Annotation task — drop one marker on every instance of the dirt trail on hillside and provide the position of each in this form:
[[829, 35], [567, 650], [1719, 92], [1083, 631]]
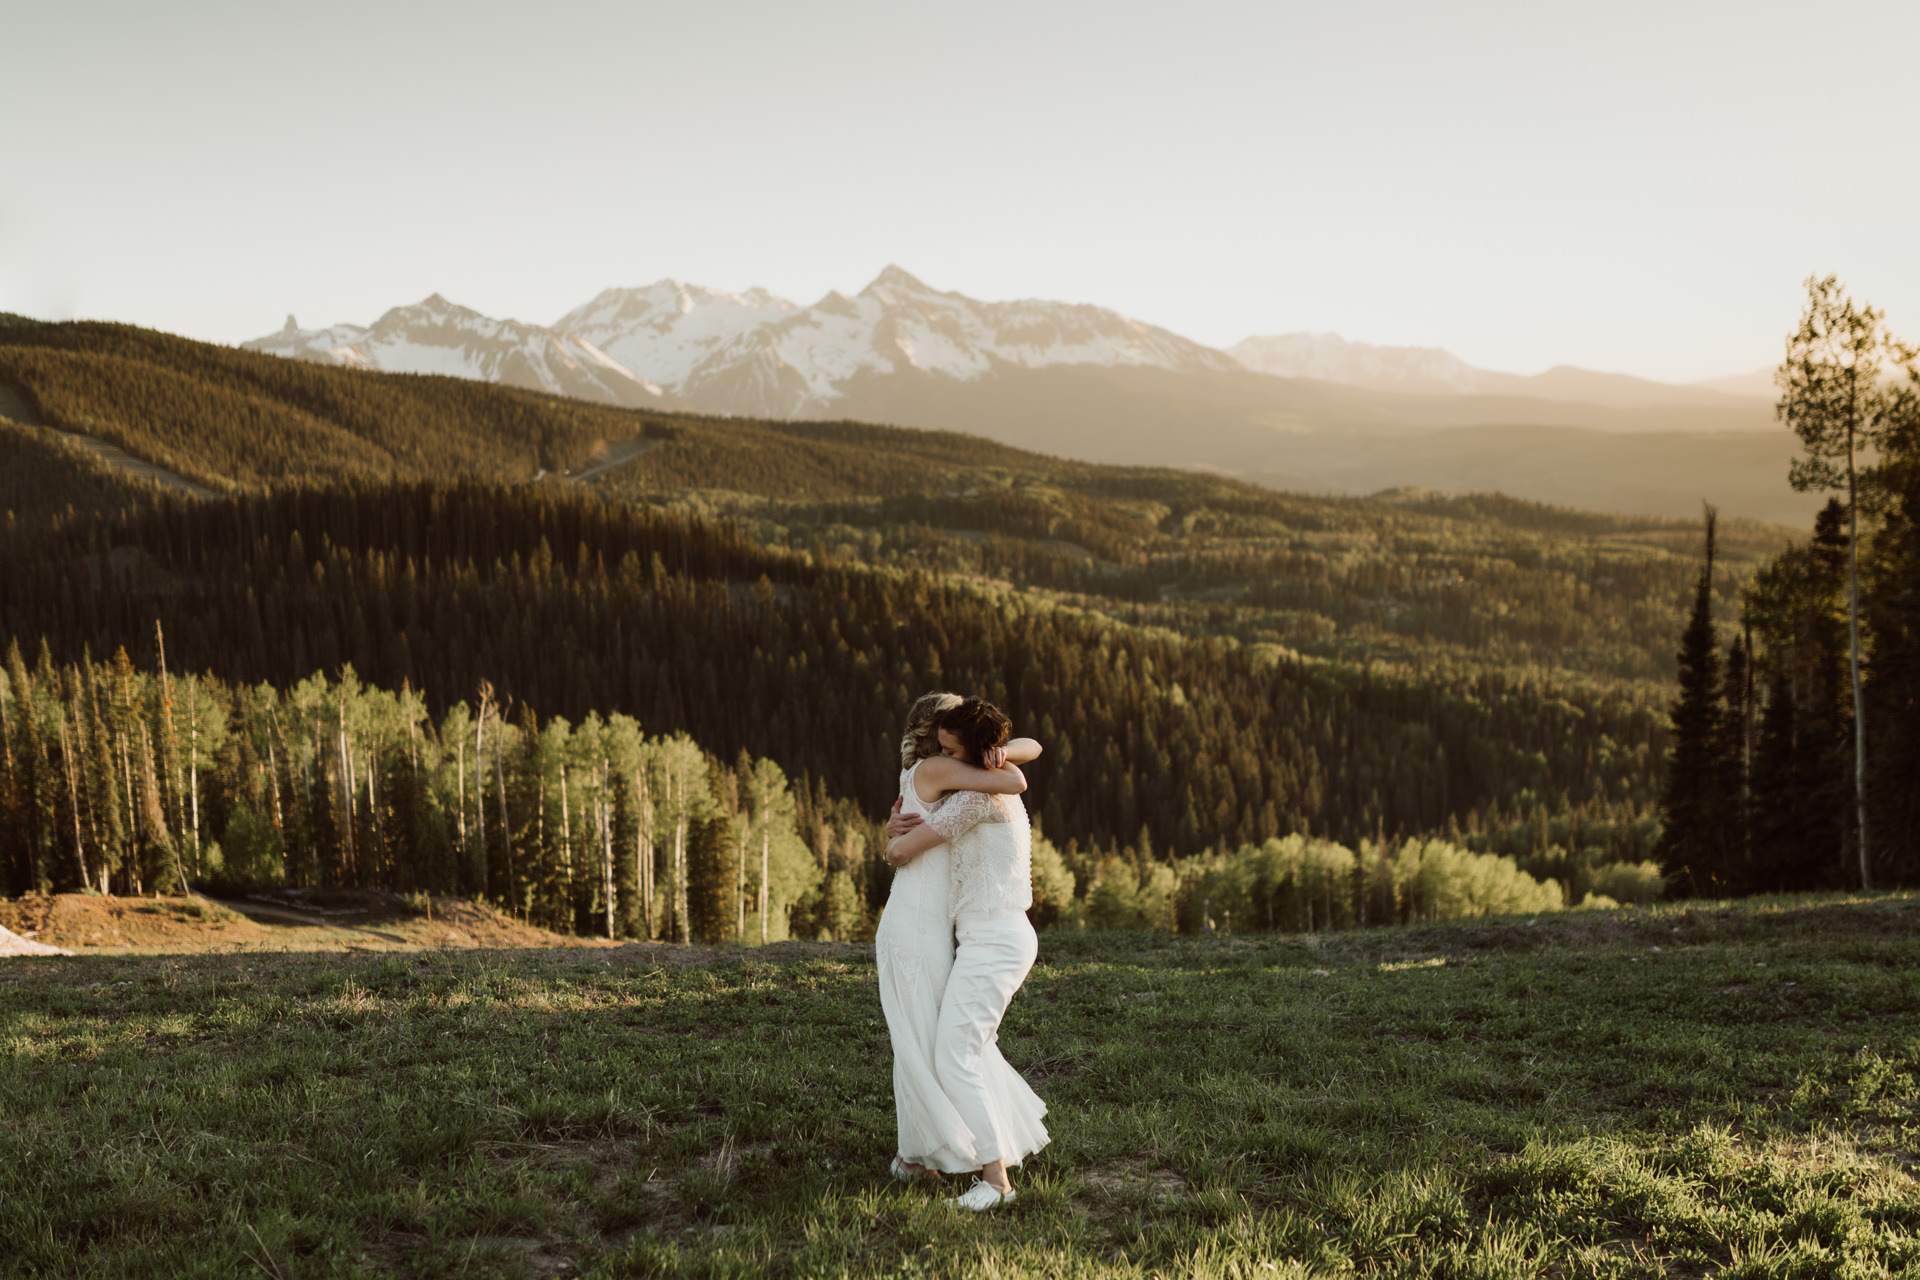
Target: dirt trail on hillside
[[618, 455], [13, 405]]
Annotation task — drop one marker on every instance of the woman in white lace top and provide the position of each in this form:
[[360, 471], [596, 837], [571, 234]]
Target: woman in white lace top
[[913, 947], [991, 886]]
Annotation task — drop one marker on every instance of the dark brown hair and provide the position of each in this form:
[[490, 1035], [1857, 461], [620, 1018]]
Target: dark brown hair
[[979, 725]]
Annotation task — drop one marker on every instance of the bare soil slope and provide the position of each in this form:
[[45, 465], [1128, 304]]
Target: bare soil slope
[[285, 921]]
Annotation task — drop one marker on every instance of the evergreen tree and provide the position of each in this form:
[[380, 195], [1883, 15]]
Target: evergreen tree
[[1736, 751], [15, 776], [1795, 603], [1694, 848], [1892, 612], [1777, 822]]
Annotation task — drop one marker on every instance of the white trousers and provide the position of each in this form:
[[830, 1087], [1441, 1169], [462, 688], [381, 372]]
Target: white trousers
[[995, 952]]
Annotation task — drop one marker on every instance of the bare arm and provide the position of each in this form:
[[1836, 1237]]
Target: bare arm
[[941, 774], [904, 849], [955, 815], [1022, 751], [898, 823]]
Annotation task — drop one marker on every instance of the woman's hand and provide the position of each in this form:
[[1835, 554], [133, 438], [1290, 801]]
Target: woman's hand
[[995, 757], [898, 823]]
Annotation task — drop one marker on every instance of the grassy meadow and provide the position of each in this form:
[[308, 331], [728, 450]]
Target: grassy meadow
[[1691, 1089]]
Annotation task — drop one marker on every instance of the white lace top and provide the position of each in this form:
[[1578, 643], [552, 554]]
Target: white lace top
[[991, 863]]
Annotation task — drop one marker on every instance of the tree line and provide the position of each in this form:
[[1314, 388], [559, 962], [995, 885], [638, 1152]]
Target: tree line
[[116, 779], [1796, 747], [571, 606]]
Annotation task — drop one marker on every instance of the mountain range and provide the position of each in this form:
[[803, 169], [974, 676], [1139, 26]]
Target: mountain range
[[1429, 370], [1312, 411]]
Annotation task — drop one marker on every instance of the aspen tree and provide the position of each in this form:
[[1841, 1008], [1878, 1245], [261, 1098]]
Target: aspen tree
[[566, 837], [1831, 396], [606, 840], [739, 862], [482, 870], [193, 762], [682, 927], [73, 797], [506, 833], [168, 744], [643, 853]]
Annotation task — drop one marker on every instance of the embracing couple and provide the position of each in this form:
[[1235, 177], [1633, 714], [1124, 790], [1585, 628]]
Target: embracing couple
[[954, 945]]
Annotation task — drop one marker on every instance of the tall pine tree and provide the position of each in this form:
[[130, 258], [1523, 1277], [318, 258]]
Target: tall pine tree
[[1694, 849]]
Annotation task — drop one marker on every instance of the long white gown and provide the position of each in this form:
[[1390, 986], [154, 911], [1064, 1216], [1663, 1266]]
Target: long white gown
[[914, 952], [913, 949]]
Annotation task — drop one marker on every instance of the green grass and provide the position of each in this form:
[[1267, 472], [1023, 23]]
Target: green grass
[[1677, 1090]]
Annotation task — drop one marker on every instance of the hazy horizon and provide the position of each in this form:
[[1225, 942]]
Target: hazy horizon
[[1521, 187]]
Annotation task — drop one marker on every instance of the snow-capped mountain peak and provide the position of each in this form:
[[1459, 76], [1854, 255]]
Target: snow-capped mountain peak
[[435, 335], [750, 352], [756, 353]]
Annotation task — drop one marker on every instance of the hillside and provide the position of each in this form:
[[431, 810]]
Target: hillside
[[1239, 662], [1085, 382]]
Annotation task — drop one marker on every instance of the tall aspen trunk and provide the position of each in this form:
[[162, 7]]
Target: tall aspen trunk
[[643, 847], [377, 835], [461, 786], [133, 815], [566, 842], [506, 832], [350, 847], [480, 783], [169, 769], [606, 838], [273, 786], [682, 928], [73, 798], [307, 762], [764, 840], [1853, 661], [193, 767]]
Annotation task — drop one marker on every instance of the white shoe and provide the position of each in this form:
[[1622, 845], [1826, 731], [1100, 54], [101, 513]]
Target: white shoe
[[982, 1195]]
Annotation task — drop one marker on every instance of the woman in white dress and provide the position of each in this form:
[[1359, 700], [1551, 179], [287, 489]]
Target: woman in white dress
[[991, 867], [913, 947]]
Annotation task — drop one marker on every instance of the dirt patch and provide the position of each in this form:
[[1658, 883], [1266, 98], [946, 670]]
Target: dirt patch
[[405, 1252], [1039, 1075], [288, 921], [81, 922], [1135, 1175], [1128, 1191]]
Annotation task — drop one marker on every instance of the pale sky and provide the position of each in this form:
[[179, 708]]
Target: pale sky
[[1637, 186]]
